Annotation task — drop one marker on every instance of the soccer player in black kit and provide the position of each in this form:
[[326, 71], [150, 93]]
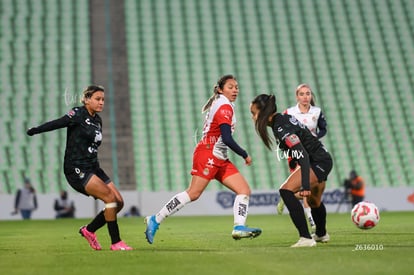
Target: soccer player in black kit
[[81, 165], [315, 164]]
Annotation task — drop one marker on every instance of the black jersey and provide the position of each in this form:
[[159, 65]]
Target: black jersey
[[285, 125], [84, 135]]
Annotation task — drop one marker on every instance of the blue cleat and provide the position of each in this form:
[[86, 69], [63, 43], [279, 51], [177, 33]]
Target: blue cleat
[[152, 227], [241, 231]]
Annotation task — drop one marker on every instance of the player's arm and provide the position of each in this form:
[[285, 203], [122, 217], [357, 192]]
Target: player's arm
[[35, 201], [297, 149], [322, 125], [50, 126], [17, 200], [226, 136]]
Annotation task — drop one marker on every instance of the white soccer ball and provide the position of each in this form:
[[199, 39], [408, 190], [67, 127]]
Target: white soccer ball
[[365, 215]]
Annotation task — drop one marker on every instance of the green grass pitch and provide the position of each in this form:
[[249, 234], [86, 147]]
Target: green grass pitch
[[203, 245]]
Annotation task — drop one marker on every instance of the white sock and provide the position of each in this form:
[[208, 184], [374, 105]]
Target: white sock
[[307, 212], [172, 206], [240, 209]]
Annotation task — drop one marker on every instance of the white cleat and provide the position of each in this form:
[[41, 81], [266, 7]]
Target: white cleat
[[304, 242], [323, 239]]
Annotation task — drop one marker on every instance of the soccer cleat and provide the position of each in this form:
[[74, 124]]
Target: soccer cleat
[[152, 227], [90, 237], [280, 206], [241, 231], [120, 246], [323, 239], [304, 242]]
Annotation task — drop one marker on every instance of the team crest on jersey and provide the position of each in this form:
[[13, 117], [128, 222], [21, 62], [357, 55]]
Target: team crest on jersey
[[206, 171]]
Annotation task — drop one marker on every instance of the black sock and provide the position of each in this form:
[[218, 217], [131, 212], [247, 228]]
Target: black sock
[[97, 222], [114, 231], [296, 212], [319, 216]]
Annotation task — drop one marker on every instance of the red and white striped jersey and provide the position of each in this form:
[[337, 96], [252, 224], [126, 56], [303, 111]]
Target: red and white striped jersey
[[309, 119], [220, 112]]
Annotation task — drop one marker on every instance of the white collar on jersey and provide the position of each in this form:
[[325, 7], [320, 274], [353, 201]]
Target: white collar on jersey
[[222, 97], [300, 112]]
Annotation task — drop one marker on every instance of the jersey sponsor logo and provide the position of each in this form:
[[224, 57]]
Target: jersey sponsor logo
[[80, 173], [92, 150], [98, 136], [226, 113], [293, 120], [71, 113], [89, 122], [292, 140]]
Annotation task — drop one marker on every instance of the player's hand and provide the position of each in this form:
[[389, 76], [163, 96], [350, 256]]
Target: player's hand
[[304, 193], [248, 161], [31, 131]]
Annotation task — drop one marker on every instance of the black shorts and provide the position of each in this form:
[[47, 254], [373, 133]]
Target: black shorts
[[322, 169], [79, 177]]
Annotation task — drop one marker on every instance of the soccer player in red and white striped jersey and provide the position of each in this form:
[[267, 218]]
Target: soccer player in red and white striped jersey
[[210, 161]]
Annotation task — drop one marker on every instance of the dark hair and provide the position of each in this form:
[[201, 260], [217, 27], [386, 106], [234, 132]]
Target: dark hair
[[90, 90], [219, 85], [312, 102], [266, 104]]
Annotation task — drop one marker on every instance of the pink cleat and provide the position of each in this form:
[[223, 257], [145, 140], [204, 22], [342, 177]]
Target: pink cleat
[[90, 237], [120, 246]]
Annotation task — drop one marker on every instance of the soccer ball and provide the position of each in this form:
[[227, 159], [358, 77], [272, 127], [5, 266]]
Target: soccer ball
[[365, 215]]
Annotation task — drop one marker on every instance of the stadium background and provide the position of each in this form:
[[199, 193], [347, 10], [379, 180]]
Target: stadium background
[[159, 61]]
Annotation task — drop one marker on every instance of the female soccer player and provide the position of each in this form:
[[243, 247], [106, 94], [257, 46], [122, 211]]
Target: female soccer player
[[81, 165], [309, 178], [210, 161], [312, 117]]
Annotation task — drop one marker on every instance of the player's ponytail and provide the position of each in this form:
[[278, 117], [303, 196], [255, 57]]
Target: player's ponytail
[[216, 91], [266, 104]]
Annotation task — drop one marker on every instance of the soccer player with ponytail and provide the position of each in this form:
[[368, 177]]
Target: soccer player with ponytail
[[309, 178], [210, 161], [313, 118]]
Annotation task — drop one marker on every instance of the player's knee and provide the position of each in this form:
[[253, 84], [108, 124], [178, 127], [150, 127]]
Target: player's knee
[[120, 205]]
